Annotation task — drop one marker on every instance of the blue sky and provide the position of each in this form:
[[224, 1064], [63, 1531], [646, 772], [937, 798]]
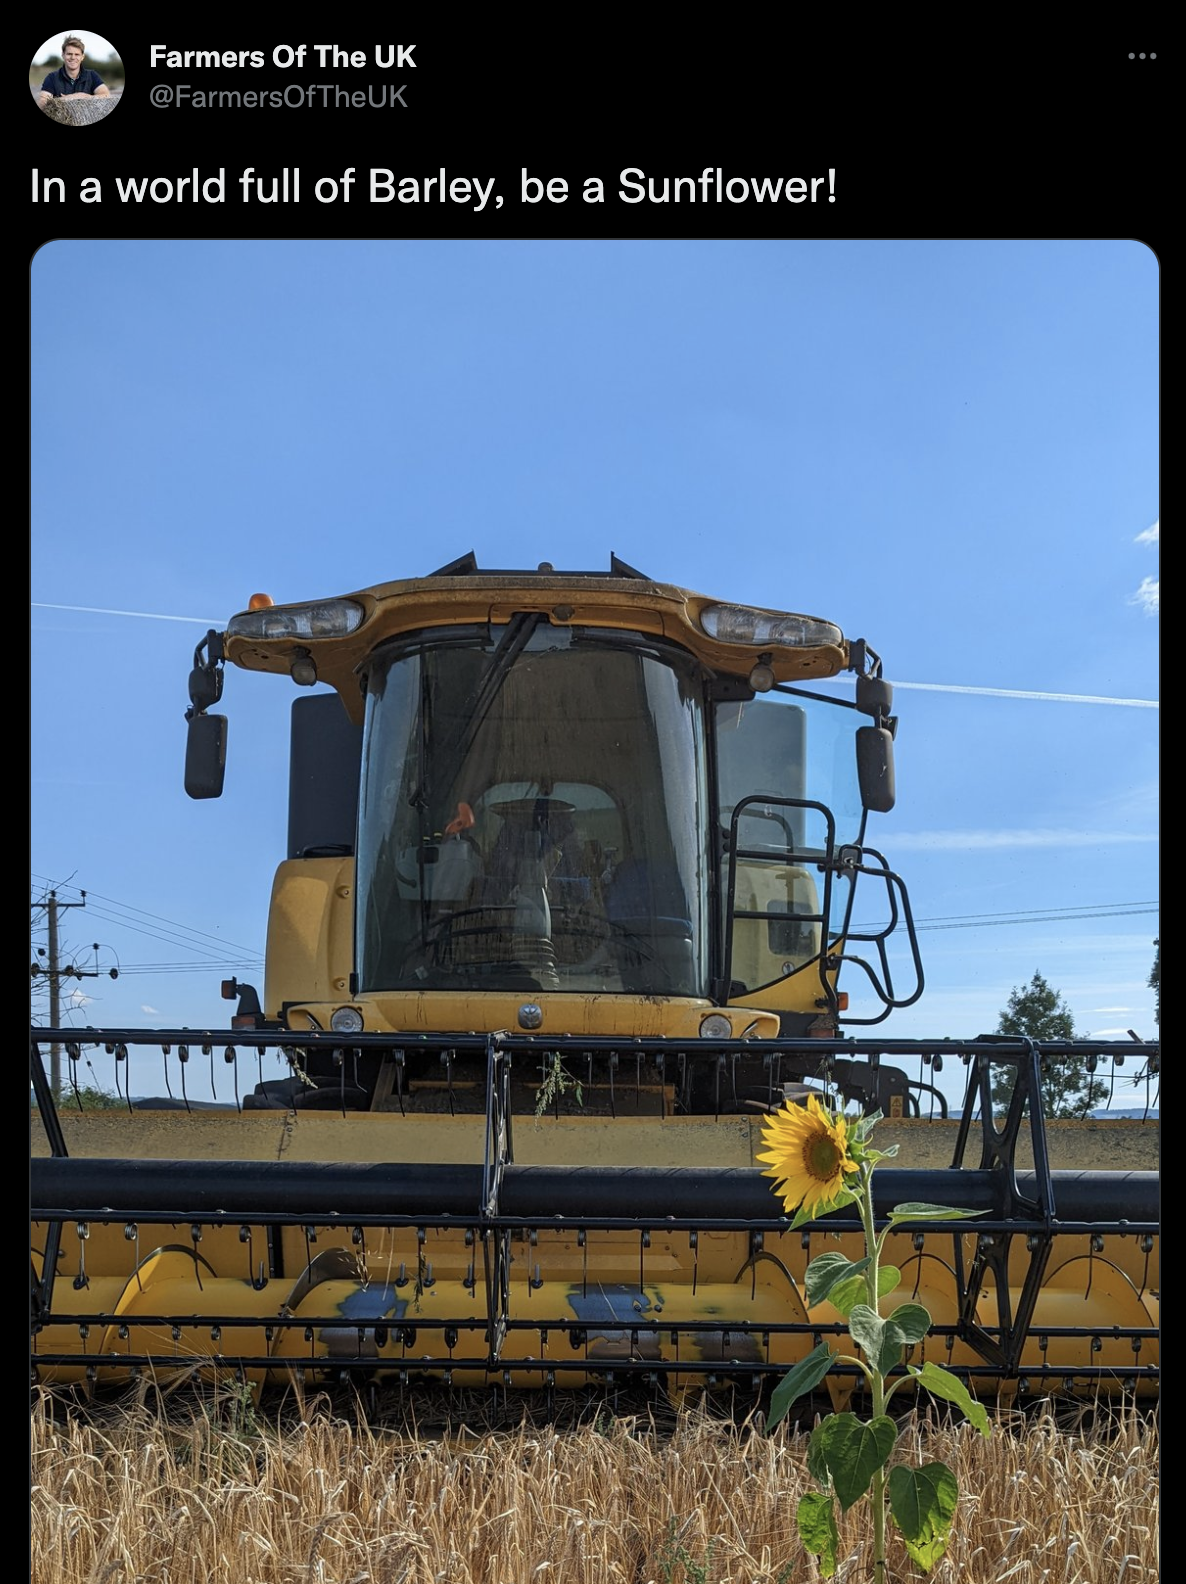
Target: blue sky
[[948, 448]]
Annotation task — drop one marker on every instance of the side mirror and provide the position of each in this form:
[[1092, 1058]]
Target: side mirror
[[205, 756], [875, 768]]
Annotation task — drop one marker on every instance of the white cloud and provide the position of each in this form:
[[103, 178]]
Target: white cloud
[[1148, 596], [968, 840], [151, 1011]]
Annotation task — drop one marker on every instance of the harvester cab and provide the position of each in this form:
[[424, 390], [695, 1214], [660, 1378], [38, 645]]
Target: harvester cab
[[571, 883], [574, 804]]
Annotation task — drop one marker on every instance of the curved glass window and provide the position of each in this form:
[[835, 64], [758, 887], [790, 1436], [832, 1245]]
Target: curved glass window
[[800, 750], [531, 814]]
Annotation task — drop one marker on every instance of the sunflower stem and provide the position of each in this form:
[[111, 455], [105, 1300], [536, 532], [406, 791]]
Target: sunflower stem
[[873, 1246]]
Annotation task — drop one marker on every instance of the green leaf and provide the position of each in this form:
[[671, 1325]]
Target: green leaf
[[867, 1329], [852, 1452], [911, 1321], [817, 1530], [825, 1271], [846, 1294], [806, 1374], [803, 1215], [883, 1340], [923, 1503], [931, 1212], [873, 1156], [942, 1383], [817, 1463]]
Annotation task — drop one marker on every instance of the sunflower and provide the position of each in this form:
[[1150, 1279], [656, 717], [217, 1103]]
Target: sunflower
[[807, 1148]]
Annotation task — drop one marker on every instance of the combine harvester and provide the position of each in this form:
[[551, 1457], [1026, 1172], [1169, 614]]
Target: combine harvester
[[571, 879]]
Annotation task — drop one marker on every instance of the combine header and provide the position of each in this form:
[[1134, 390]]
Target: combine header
[[572, 874]]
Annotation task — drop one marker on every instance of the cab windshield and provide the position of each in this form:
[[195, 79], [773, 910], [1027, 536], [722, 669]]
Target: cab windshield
[[532, 806]]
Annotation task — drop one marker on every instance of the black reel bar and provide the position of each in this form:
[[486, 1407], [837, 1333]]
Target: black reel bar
[[499, 1205]]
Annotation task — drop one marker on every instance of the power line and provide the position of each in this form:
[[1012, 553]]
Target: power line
[[165, 939], [1038, 915], [172, 924], [990, 921], [1088, 910], [192, 968]]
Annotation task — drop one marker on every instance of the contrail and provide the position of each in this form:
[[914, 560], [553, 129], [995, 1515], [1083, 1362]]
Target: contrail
[[99, 610], [1025, 693], [917, 687]]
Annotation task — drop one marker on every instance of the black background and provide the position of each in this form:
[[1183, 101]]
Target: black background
[[1016, 137]]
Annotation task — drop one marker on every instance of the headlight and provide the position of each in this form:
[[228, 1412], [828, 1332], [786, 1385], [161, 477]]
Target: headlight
[[346, 1020], [326, 619], [716, 1026], [744, 624]]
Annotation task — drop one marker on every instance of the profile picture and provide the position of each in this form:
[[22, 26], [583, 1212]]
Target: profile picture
[[76, 78]]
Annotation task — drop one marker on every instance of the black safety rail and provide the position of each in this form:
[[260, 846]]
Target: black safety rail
[[497, 1205]]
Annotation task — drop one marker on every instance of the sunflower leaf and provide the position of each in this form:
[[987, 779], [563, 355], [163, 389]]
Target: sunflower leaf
[[868, 1331], [931, 1212], [923, 1503], [911, 1321], [825, 1271], [853, 1451], [883, 1340], [877, 1155], [817, 1463], [817, 1530], [846, 1294], [806, 1375], [942, 1383]]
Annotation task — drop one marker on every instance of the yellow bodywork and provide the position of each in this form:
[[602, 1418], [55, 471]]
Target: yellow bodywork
[[309, 954], [310, 945], [410, 604], [576, 1305]]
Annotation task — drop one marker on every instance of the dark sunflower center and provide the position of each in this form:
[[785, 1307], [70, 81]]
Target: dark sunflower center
[[822, 1157]]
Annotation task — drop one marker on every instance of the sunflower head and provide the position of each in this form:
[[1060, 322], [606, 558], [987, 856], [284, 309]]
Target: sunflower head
[[807, 1149]]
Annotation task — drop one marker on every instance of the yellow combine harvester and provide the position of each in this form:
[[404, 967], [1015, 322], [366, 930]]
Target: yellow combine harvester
[[571, 881]]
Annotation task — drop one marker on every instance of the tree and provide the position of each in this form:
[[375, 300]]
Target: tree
[[88, 1097], [1155, 983], [1038, 1011]]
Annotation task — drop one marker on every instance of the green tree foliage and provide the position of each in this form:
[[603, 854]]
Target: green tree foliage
[[1037, 1010], [1155, 983], [87, 1097], [91, 1098]]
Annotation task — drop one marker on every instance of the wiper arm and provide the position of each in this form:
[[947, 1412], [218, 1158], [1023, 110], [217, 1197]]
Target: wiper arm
[[480, 702]]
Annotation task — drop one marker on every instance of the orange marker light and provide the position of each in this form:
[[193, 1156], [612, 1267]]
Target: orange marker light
[[260, 602]]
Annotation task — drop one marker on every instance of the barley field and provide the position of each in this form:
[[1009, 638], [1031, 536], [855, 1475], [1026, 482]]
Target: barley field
[[218, 1495]]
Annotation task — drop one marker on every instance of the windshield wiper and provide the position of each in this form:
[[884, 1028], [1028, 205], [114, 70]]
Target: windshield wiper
[[478, 705]]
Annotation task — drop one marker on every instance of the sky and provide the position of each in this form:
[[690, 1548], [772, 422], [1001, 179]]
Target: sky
[[949, 448]]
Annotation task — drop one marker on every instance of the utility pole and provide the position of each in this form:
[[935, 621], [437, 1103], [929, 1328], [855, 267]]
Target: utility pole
[[55, 974]]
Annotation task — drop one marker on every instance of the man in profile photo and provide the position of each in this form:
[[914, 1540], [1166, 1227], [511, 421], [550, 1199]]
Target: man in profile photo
[[72, 80]]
